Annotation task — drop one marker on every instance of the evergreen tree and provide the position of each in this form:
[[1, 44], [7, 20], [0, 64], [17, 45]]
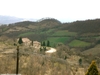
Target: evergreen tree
[[92, 69], [65, 57], [40, 49], [80, 61], [20, 40], [48, 43], [44, 43]]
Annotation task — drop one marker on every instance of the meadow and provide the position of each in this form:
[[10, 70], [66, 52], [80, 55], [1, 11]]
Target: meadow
[[25, 34], [78, 43], [55, 40], [64, 33]]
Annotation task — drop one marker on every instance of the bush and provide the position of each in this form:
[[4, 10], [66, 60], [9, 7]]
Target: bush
[[92, 69]]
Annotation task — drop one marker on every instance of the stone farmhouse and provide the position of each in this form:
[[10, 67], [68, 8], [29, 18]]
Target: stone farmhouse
[[28, 42]]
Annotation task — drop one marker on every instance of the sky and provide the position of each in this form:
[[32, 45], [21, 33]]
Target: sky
[[63, 10]]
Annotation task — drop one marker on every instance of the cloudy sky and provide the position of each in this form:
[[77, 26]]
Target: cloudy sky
[[63, 10]]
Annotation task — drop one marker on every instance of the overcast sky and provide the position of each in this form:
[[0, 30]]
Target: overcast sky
[[63, 10]]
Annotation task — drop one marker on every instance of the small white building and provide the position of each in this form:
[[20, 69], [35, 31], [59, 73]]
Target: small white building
[[27, 42]]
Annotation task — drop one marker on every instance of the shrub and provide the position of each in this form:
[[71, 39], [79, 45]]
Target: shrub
[[92, 69]]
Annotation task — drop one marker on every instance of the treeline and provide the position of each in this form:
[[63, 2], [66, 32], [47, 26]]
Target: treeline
[[88, 26], [23, 23]]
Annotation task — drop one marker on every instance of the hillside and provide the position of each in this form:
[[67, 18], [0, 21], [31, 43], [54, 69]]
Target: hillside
[[81, 27], [85, 32], [88, 26], [72, 41]]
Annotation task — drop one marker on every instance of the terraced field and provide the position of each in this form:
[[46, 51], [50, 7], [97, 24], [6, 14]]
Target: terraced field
[[56, 40], [78, 43], [64, 33]]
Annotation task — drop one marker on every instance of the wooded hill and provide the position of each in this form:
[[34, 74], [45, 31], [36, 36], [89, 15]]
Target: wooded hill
[[88, 26]]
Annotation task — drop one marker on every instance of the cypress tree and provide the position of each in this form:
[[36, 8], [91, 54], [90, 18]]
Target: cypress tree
[[92, 69], [80, 61], [20, 40], [48, 43], [44, 43]]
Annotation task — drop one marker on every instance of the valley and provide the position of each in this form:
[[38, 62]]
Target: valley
[[71, 42]]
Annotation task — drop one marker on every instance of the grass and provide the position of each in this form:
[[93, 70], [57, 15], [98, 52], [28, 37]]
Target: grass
[[50, 30], [4, 29], [78, 43], [30, 33], [56, 40], [97, 37], [64, 33], [26, 34]]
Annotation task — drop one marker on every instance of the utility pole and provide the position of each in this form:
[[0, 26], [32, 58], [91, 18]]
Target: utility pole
[[17, 62]]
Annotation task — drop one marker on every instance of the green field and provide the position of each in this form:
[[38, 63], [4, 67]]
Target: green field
[[50, 30], [78, 43], [40, 32], [97, 37], [26, 34], [64, 33], [55, 40]]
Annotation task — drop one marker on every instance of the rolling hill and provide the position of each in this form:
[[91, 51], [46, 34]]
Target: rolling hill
[[88, 26], [86, 32]]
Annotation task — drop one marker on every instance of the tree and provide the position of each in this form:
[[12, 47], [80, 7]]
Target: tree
[[44, 48], [20, 40], [41, 43], [40, 49], [80, 61], [44, 43], [32, 42], [92, 69], [48, 43]]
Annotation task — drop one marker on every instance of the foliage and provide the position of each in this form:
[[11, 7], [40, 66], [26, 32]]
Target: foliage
[[44, 48], [20, 40], [63, 51], [80, 61], [38, 37], [43, 65], [48, 43], [44, 43], [90, 26], [92, 69]]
